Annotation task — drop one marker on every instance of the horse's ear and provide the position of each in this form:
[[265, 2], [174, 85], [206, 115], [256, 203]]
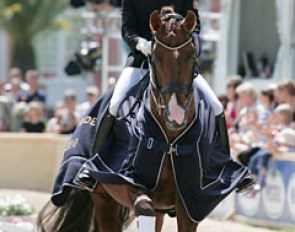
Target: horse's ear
[[190, 21], [155, 21]]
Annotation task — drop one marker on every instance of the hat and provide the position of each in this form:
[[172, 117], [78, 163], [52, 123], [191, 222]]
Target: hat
[[70, 93], [92, 90]]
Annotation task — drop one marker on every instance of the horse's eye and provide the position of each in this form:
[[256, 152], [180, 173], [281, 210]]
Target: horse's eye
[[159, 60], [190, 57]]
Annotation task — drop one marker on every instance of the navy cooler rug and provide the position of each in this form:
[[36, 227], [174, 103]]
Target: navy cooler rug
[[204, 172]]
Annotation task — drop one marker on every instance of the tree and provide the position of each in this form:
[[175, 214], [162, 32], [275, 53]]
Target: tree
[[23, 20]]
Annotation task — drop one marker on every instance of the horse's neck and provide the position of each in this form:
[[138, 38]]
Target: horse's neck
[[171, 134]]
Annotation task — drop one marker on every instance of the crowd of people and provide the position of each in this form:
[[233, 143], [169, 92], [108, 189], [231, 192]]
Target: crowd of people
[[23, 106], [260, 124]]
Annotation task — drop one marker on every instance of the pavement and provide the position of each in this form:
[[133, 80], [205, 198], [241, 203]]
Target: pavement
[[38, 199]]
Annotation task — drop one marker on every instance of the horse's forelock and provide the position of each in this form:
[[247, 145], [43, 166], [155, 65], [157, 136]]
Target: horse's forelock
[[172, 24], [167, 10]]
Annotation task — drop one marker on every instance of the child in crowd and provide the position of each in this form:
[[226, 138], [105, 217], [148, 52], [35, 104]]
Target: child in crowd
[[279, 138], [34, 119], [241, 133]]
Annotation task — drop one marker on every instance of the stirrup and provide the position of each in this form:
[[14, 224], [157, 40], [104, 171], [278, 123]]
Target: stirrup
[[245, 184], [85, 181]]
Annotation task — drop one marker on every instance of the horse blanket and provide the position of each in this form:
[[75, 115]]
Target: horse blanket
[[203, 170]]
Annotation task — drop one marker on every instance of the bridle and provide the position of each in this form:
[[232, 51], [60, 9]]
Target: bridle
[[173, 87]]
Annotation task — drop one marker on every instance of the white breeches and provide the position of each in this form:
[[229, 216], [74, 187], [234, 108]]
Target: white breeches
[[209, 94], [131, 77], [128, 79]]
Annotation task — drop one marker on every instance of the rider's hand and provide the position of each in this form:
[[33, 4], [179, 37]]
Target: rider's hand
[[144, 46]]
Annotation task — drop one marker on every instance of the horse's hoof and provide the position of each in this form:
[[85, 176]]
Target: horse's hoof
[[143, 206]]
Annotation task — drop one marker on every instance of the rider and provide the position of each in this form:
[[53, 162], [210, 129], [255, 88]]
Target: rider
[[136, 33]]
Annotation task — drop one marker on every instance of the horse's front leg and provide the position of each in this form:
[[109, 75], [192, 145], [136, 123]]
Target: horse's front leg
[[184, 224], [159, 222], [106, 211]]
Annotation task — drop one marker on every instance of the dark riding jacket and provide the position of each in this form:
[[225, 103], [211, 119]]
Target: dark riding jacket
[[135, 22]]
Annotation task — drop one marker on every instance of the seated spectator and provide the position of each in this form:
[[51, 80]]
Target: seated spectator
[[52, 125], [66, 121], [286, 94], [19, 111], [68, 116], [92, 95], [278, 140], [5, 114], [34, 119], [15, 73], [232, 108], [15, 91], [240, 136], [267, 103], [34, 93]]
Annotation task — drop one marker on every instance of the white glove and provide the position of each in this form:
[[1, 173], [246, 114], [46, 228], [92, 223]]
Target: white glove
[[144, 46]]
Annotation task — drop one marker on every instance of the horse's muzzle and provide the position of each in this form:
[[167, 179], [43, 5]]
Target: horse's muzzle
[[176, 123]]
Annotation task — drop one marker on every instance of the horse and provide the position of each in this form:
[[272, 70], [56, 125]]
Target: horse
[[172, 104]]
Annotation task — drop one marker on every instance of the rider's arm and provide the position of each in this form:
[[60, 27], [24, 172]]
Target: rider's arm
[[129, 26]]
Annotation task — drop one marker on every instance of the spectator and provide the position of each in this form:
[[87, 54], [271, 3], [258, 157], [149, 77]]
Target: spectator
[[18, 108], [66, 121], [267, 103], [286, 94], [5, 114], [232, 107], [241, 135], [53, 123], [278, 140], [92, 95], [34, 119], [15, 73], [18, 114], [69, 116], [34, 93], [15, 91]]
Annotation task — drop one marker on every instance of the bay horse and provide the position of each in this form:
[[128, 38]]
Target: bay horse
[[172, 103]]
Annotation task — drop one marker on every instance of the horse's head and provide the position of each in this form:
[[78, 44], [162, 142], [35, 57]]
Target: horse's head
[[172, 65]]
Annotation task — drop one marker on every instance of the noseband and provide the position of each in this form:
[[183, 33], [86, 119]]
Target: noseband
[[173, 87]]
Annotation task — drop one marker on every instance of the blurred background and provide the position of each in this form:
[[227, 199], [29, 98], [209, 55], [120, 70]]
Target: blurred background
[[58, 56]]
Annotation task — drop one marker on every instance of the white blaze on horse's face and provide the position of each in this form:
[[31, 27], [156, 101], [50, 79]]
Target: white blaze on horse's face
[[176, 113]]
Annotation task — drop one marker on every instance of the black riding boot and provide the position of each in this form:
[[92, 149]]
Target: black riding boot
[[248, 181], [221, 127], [103, 131], [83, 179]]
